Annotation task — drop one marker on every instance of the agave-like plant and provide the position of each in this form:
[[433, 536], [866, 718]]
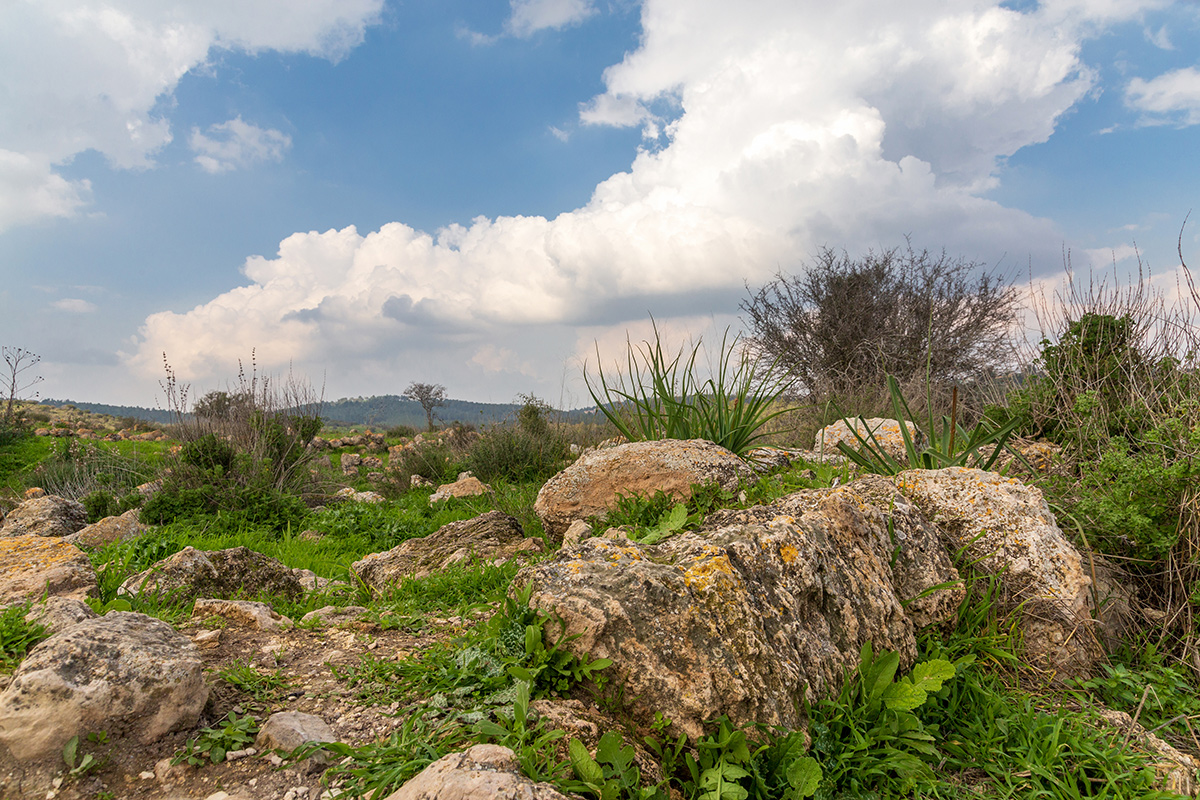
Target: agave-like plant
[[662, 397], [953, 446]]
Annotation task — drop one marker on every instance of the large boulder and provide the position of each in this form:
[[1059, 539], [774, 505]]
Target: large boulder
[[745, 620], [494, 537], [109, 530], [898, 532], [591, 485], [224, 574], [1004, 528], [48, 515], [886, 432], [127, 674], [33, 566], [482, 772]]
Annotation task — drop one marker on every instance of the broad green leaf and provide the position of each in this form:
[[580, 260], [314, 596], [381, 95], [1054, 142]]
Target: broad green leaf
[[929, 674], [609, 748], [674, 519], [884, 672], [804, 776], [904, 696], [586, 768], [69, 751]]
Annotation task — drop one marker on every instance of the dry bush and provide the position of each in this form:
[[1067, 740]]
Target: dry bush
[[844, 324]]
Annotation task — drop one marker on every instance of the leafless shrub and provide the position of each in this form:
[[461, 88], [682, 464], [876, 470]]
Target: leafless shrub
[[840, 327]]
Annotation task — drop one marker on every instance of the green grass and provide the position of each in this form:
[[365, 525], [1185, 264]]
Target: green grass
[[18, 457]]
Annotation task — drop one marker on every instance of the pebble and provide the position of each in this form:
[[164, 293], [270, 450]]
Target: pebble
[[235, 755]]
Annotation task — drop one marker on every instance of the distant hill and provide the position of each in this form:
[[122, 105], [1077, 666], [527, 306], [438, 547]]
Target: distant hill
[[389, 410], [155, 415], [384, 411]]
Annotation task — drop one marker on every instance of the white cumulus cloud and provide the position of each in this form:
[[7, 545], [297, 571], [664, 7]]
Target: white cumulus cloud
[[776, 128], [79, 75], [1170, 98], [236, 144]]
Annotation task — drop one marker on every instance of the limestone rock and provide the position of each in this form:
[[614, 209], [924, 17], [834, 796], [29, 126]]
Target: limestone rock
[[57, 614], [744, 620], [898, 532], [32, 566], [482, 772], [1005, 528], [494, 536], [359, 497], [591, 485], [246, 613], [1176, 770], [287, 730], [223, 574], [109, 530], [887, 433], [333, 615], [48, 515], [467, 485], [127, 674]]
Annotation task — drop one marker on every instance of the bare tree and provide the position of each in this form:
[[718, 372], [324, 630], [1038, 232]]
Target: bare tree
[[844, 324], [429, 395], [19, 361]]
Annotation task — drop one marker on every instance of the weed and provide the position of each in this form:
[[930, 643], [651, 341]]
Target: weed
[[953, 446], [527, 737], [379, 768], [663, 397], [17, 635], [213, 743], [78, 766], [264, 687]]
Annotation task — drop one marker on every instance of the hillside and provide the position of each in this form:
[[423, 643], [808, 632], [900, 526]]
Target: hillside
[[382, 411]]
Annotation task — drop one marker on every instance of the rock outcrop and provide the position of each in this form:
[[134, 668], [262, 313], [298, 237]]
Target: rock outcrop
[[744, 620], [127, 674], [109, 530], [224, 574], [493, 537], [33, 566], [46, 515], [592, 484], [1005, 528]]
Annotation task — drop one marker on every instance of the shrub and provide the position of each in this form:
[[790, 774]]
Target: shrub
[[845, 323], [244, 453], [529, 450]]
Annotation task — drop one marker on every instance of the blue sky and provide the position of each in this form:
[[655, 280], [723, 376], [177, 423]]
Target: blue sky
[[480, 194]]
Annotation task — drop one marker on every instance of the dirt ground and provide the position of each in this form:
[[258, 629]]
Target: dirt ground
[[131, 771]]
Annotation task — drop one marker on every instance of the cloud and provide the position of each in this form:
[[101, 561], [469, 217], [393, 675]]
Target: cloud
[[30, 190], [1170, 98], [530, 16], [778, 128], [236, 144], [78, 75], [74, 305], [1104, 257]]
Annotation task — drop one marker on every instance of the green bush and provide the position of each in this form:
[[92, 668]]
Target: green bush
[[529, 450], [102, 503]]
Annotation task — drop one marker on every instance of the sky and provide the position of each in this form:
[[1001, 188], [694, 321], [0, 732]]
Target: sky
[[487, 195]]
